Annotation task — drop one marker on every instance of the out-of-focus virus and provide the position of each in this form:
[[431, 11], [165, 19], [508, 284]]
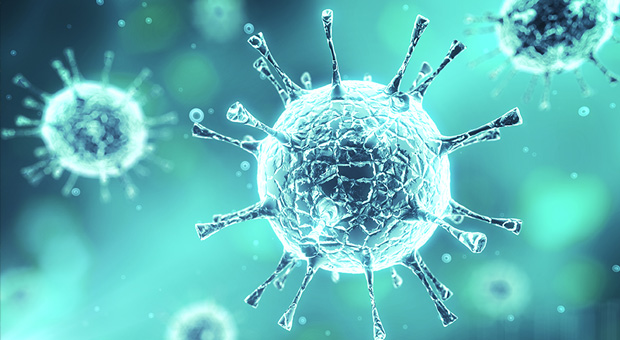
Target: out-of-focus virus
[[354, 176], [90, 129], [499, 289], [546, 37], [202, 321], [219, 20]]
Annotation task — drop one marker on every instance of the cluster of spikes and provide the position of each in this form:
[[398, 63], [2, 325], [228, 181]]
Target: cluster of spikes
[[48, 164], [475, 241], [545, 103]]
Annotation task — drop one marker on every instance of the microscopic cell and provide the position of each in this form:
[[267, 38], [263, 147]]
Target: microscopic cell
[[547, 37], [354, 176], [90, 129]]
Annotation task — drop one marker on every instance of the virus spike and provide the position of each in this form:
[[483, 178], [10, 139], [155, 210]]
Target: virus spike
[[511, 224], [31, 103], [108, 59], [260, 209], [165, 119], [504, 83], [444, 292], [103, 187], [335, 277], [258, 43], [286, 259], [586, 91], [418, 28], [474, 241], [200, 131], [261, 66], [12, 133], [137, 82], [544, 101], [479, 30], [130, 188], [306, 80], [163, 164], [35, 172], [411, 262], [425, 70], [487, 17], [63, 72], [456, 48], [484, 57], [23, 82], [612, 77], [237, 113], [397, 281], [379, 332], [286, 321], [482, 133], [337, 88], [25, 121], [70, 184], [73, 64], [527, 95], [499, 69], [281, 280]]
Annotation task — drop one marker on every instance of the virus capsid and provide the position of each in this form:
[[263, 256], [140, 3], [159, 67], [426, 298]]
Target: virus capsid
[[545, 37], [91, 129], [354, 176]]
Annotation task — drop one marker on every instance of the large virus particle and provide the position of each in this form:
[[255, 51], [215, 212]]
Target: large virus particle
[[90, 129], [354, 176], [547, 37], [202, 321]]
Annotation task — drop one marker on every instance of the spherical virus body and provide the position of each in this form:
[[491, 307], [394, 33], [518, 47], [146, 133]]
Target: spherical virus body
[[354, 176], [544, 37], [91, 129], [202, 321]]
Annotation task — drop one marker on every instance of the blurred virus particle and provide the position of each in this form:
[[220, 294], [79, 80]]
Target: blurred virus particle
[[219, 20], [202, 321], [546, 37], [354, 177], [499, 289], [90, 129]]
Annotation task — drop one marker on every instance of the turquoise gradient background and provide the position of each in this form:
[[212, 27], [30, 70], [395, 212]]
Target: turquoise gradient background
[[77, 268]]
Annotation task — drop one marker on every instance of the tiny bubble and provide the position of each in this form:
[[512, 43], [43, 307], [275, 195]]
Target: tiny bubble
[[123, 277], [554, 92], [9, 97], [561, 309], [13, 52], [100, 2], [75, 192], [193, 46], [97, 308], [238, 173], [255, 243], [584, 111], [148, 20], [210, 111], [359, 318], [248, 28], [405, 7], [185, 136], [249, 186], [510, 317], [446, 258], [574, 175], [612, 105], [328, 332], [255, 257], [244, 267], [139, 207], [180, 89], [245, 165], [615, 268], [526, 149], [121, 23], [302, 320], [464, 256], [534, 154], [405, 326], [497, 253], [151, 315], [69, 26], [196, 115], [144, 4]]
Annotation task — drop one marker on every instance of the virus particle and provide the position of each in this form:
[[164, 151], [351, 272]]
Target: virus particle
[[91, 129], [219, 20], [202, 321], [546, 37], [354, 176]]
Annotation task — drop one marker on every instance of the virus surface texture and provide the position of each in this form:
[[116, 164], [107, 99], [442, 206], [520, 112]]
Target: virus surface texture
[[354, 176], [90, 129], [544, 37]]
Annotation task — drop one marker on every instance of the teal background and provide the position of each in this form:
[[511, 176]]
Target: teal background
[[77, 268]]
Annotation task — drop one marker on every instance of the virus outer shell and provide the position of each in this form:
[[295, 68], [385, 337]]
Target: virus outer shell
[[91, 129], [354, 177], [544, 37], [202, 321]]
